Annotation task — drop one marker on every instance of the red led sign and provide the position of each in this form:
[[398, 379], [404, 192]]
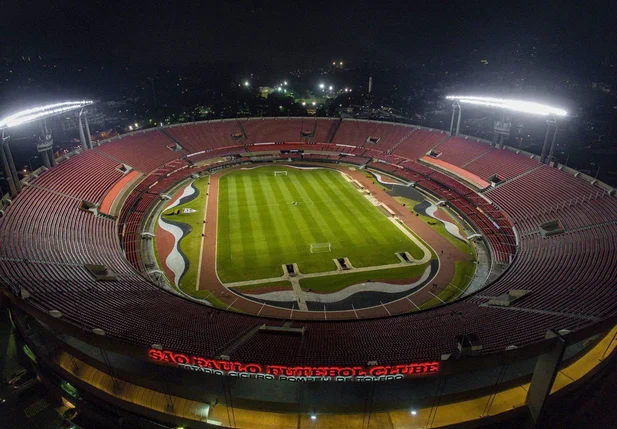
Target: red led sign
[[295, 373]]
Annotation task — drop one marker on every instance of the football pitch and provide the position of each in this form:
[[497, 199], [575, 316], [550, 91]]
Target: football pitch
[[307, 217]]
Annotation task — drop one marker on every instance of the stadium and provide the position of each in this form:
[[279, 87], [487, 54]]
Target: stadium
[[310, 272]]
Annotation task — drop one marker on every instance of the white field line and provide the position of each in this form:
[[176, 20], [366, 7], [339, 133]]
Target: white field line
[[203, 233]]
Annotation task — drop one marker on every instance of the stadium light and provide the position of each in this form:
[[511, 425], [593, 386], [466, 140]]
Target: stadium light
[[41, 112], [515, 105]]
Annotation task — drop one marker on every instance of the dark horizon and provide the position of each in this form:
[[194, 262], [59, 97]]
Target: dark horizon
[[272, 35]]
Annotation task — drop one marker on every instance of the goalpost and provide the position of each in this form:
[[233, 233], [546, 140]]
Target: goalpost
[[280, 173], [321, 247]]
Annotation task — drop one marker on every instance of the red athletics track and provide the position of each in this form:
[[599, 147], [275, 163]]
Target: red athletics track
[[209, 279]]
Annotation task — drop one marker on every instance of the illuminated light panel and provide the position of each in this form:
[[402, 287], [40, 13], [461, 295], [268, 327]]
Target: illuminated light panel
[[515, 105], [294, 373], [31, 115]]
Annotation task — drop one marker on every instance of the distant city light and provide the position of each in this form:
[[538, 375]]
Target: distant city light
[[31, 115], [304, 103], [330, 88], [322, 85], [246, 83], [285, 83], [314, 104], [341, 63], [515, 105]]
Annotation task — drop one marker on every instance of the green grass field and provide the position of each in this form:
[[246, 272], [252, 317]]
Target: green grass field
[[259, 227]]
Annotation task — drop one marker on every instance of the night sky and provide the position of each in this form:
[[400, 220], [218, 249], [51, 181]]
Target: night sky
[[298, 33]]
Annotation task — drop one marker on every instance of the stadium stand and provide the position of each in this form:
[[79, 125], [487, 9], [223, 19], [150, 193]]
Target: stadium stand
[[272, 130], [460, 151], [87, 177], [206, 136], [131, 149], [357, 133], [325, 128], [571, 273], [45, 240], [541, 188], [504, 163], [419, 143]]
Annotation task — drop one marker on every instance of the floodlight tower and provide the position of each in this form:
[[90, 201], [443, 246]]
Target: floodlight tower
[[9, 166], [551, 127], [456, 112], [45, 145], [86, 140], [502, 128]]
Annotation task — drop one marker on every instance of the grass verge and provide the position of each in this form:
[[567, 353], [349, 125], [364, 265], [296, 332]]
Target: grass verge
[[338, 282]]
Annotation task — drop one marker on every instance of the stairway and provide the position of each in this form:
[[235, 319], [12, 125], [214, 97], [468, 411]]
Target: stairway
[[334, 130], [405, 137]]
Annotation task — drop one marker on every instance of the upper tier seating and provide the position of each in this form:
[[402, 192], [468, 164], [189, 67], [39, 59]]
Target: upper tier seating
[[324, 130], [393, 137], [131, 150], [206, 135], [48, 227], [419, 143], [355, 133], [260, 130], [87, 177], [542, 188], [504, 163], [459, 151]]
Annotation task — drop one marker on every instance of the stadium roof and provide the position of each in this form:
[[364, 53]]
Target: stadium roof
[[515, 105], [41, 112]]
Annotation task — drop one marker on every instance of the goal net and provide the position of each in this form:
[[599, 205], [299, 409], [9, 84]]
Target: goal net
[[321, 247], [280, 173]]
